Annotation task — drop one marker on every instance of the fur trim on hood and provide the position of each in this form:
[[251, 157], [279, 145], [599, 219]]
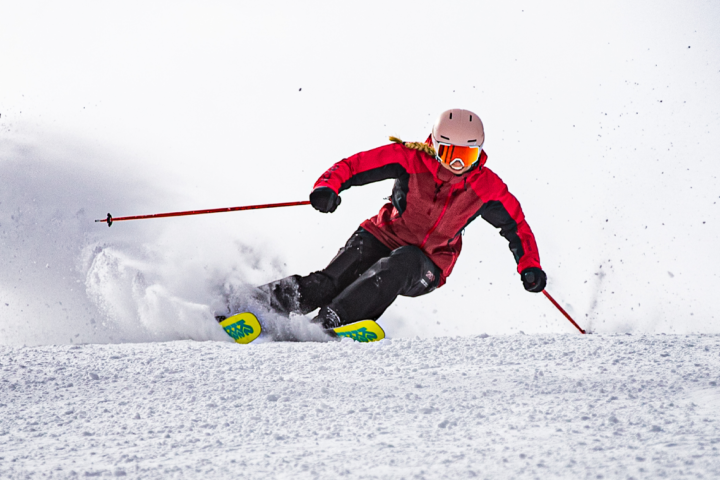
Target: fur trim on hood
[[422, 146]]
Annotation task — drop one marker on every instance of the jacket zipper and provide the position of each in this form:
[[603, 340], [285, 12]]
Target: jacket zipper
[[437, 222]]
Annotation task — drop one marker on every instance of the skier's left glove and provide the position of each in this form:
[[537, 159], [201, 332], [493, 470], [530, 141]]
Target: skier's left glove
[[534, 279], [324, 199]]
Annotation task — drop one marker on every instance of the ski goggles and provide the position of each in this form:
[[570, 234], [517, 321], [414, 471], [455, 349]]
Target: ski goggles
[[457, 157]]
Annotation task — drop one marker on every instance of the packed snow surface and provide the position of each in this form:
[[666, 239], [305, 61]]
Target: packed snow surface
[[515, 406]]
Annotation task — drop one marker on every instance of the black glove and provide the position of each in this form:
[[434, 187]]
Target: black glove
[[324, 199], [534, 279]]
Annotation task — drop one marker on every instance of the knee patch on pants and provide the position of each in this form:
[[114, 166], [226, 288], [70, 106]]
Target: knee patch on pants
[[422, 274]]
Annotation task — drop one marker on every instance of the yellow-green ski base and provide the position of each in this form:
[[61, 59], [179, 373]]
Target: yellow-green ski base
[[243, 327], [362, 331]]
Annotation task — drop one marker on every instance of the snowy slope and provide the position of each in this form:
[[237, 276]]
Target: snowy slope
[[545, 406]]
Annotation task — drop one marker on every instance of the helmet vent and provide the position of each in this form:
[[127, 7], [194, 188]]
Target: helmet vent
[[471, 118], [446, 138], [473, 140], [450, 115]]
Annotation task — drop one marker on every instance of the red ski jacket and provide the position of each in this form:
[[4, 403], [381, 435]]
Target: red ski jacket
[[430, 206]]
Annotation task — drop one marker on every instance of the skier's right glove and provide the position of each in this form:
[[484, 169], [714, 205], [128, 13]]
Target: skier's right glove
[[534, 279], [324, 199]]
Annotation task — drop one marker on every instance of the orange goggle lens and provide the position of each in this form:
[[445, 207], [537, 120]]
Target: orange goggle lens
[[452, 154]]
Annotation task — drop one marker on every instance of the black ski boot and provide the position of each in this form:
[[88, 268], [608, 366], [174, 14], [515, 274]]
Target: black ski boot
[[328, 319], [282, 296], [296, 294]]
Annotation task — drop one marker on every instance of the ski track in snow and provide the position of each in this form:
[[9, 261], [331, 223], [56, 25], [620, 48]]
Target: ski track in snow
[[547, 406]]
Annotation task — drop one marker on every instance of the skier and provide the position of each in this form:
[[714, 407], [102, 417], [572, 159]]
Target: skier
[[410, 247]]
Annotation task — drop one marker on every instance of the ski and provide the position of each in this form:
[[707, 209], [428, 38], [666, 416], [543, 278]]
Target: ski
[[245, 327], [363, 331]]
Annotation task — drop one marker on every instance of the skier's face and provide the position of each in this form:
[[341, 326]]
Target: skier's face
[[458, 168]]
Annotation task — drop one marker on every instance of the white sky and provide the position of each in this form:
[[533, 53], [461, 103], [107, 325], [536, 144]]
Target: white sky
[[603, 119]]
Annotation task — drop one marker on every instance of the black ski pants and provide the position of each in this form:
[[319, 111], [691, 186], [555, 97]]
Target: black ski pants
[[363, 279]]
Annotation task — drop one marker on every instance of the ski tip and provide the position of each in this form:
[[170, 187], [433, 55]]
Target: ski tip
[[243, 327], [364, 331]]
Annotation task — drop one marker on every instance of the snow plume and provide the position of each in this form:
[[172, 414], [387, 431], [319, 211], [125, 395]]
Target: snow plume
[[67, 279]]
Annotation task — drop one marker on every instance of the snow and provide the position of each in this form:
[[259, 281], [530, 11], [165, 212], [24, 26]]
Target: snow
[[602, 117], [599, 117], [512, 406]]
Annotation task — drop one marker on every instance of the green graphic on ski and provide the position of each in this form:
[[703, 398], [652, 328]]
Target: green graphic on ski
[[243, 327], [363, 331]]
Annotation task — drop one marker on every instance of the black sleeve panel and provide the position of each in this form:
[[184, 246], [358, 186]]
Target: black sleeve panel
[[399, 193], [393, 170], [496, 215]]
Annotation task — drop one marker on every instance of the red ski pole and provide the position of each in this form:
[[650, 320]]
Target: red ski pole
[[110, 218], [563, 311]]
